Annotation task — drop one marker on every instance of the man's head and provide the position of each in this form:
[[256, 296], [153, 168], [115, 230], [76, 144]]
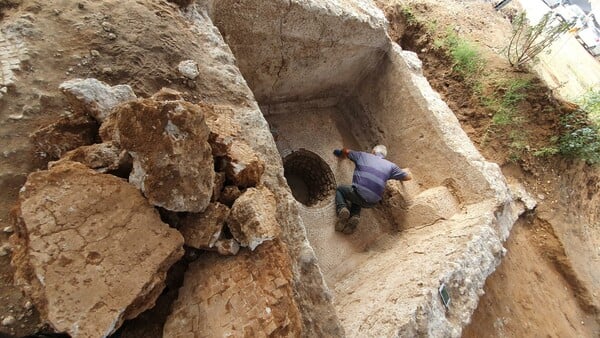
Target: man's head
[[380, 149]]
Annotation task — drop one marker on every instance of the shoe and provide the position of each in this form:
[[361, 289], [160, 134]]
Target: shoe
[[343, 215], [352, 224]]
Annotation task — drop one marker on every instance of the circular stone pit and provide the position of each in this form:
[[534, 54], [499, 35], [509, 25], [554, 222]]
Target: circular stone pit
[[309, 177]]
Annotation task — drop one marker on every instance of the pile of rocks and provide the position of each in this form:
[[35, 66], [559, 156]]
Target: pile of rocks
[[90, 247]]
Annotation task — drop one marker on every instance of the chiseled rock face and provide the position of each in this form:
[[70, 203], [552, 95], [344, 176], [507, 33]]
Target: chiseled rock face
[[89, 249], [201, 231], [172, 160], [247, 295], [322, 47], [102, 157], [95, 97], [64, 135], [227, 247], [252, 218]]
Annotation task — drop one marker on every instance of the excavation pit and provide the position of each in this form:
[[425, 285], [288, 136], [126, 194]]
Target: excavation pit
[[309, 177], [326, 76]]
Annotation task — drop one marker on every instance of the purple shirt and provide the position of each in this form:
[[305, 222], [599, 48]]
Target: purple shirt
[[371, 173]]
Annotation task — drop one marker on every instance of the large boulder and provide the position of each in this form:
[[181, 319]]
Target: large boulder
[[168, 141], [252, 219], [95, 97], [89, 249], [248, 295]]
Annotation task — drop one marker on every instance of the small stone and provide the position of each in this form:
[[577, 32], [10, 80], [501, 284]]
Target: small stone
[[94, 53], [28, 305], [189, 69], [541, 197], [112, 36], [80, 6], [9, 229], [106, 70], [4, 90], [106, 26], [56, 12], [5, 249], [8, 320]]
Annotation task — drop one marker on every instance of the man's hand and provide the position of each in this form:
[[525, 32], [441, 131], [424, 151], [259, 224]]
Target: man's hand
[[408, 176], [338, 152]]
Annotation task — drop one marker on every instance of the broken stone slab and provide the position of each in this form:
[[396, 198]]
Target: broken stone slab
[[247, 295], [66, 134], [89, 249], [252, 217], [201, 231], [243, 165], [168, 141], [102, 157], [95, 97]]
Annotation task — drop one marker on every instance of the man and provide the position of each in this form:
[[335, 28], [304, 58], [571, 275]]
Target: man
[[368, 183]]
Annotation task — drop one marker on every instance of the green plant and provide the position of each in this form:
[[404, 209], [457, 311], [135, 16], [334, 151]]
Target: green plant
[[581, 138], [467, 60], [409, 15], [528, 41], [590, 102], [546, 151], [504, 106]]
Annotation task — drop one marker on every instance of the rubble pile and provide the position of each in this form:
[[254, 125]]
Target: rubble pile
[[90, 247]]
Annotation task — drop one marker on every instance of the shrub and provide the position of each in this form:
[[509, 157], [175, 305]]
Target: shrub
[[529, 41], [581, 138]]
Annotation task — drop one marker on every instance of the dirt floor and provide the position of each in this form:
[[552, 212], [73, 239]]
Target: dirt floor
[[548, 285]]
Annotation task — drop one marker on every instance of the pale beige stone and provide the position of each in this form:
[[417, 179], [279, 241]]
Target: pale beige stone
[[89, 249], [252, 218], [95, 97]]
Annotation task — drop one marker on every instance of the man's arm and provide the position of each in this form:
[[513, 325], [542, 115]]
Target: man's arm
[[342, 153], [401, 174]]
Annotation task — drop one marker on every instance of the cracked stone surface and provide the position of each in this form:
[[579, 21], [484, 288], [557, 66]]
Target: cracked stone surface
[[248, 295], [89, 249], [95, 97], [168, 141]]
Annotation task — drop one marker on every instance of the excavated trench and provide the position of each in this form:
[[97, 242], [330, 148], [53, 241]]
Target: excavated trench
[[345, 84]]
